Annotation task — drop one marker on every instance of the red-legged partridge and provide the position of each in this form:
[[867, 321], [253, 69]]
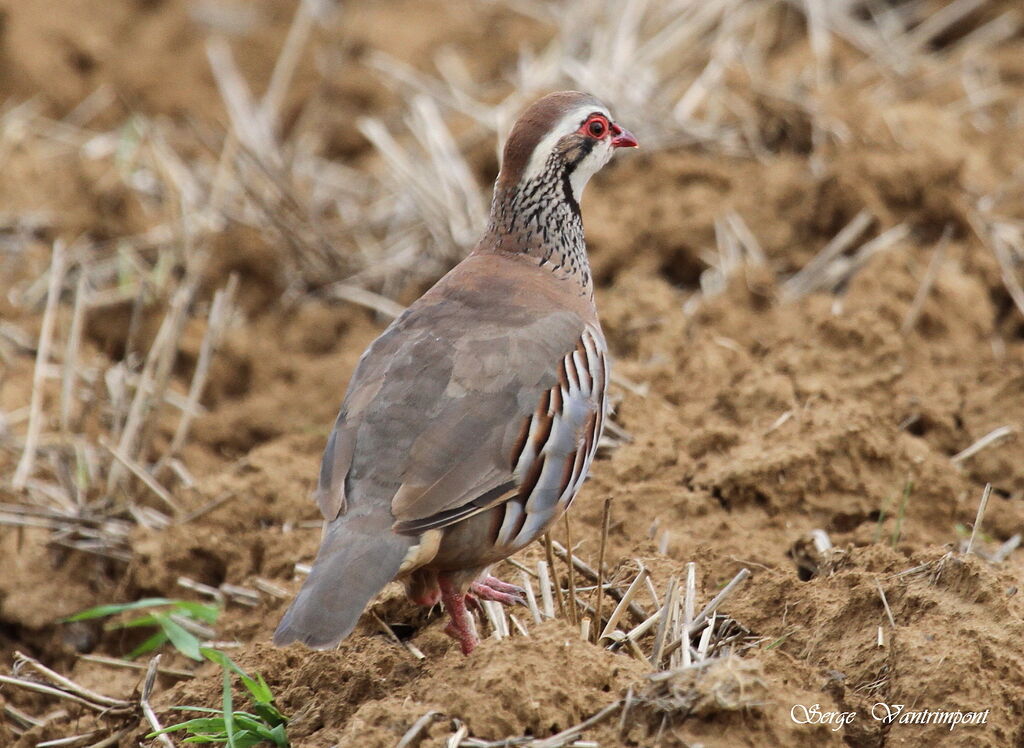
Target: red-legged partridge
[[470, 423]]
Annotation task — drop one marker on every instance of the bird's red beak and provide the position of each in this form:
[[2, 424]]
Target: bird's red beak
[[622, 138]]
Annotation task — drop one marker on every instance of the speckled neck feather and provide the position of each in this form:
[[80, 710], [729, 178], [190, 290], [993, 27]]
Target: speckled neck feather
[[538, 215], [541, 218]]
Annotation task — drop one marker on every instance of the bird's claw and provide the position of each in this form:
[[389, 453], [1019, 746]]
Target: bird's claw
[[492, 588], [464, 634]]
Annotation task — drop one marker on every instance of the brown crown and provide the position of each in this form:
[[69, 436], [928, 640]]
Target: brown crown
[[532, 126]]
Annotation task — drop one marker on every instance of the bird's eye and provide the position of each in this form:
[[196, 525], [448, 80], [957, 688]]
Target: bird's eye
[[597, 127]]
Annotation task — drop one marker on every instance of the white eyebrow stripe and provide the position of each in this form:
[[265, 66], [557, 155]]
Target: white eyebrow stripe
[[567, 125]]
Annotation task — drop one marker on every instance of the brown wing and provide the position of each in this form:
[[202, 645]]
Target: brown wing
[[437, 404]]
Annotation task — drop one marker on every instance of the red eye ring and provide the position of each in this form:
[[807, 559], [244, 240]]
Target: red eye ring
[[596, 126]]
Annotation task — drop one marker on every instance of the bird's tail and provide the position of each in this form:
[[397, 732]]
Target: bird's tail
[[356, 559]]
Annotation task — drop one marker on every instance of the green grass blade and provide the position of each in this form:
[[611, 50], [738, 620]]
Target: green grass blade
[[277, 734], [246, 739], [246, 722], [102, 611], [778, 642], [260, 690], [185, 642], [229, 712], [156, 641], [133, 623], [209, 726], [199, 611], [270, 714], [218, 657]]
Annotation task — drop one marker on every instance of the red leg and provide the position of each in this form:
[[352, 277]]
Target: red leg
[[461, 627], [492, 588]]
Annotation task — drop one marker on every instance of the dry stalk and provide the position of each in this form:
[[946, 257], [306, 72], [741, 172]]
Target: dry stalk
[[220, 313], [22, 661], [147, 709], [810, 277], [709, 610], [992, 237], [412, 735], [544, 581], [241, 595], [984, 442], [74, 341], [574, 615], [390, 634], [252, 130], [934, 24], [665, 624], [586, 570], [1004, 550], [142, 474], [156, 369], [285, 65], [624, 603], [63, 688], [885, 604], [520, 627], [689, 604], [605, 522], [127, 664], [35, 424], [32, 685], [531, 599], [202, 589], [938, 255], [455, 740], [640, 629], [269, 588], [568, 736], [549, 552], [982, 506], [493, 618], [363, 297]]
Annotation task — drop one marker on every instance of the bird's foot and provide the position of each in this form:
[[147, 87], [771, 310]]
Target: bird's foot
[[461, 627], [466, 637], [492, 588]]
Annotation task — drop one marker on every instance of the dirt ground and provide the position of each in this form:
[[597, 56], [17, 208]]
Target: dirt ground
[[754, 418]]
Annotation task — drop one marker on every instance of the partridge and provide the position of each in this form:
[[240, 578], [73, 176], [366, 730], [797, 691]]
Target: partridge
[[471, 422]]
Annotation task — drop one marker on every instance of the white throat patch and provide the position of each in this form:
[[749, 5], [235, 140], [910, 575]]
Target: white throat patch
[[589, 166]]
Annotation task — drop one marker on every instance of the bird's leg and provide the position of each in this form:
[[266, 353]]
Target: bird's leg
[[461, 626], [492, 588]]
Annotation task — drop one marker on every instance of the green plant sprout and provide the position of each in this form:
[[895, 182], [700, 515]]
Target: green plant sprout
[[236, 729], [168, 628]]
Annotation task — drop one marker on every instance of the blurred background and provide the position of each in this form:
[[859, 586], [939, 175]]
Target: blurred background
[[810, 277]]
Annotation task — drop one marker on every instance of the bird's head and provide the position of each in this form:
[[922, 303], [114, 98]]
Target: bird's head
[[562, 139]]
